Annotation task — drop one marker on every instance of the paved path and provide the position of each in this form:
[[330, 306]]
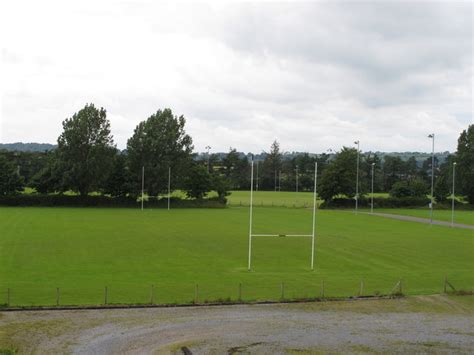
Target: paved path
[[421, 220]]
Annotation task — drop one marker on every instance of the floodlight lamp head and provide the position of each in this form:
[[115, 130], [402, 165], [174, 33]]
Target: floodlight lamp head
[[373, 164], [431, 135], [455, 163]]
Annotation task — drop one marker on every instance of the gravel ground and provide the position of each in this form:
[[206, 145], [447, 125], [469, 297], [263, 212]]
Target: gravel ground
[[423, 324]]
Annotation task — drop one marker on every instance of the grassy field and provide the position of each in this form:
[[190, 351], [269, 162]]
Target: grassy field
[[272, 198], [465, 217], [80, 251]]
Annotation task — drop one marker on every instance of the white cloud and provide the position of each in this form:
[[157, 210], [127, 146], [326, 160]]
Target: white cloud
[[313, 75]]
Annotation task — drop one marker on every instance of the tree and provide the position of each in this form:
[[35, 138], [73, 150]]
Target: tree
[[157, 144], [339, 177], [271, 167], [118, 182], [393, 171], [10, 181], [86, 150], [197, 182], [49, 178], [416, 187], [221, 185], [465, 163], [442, 186]]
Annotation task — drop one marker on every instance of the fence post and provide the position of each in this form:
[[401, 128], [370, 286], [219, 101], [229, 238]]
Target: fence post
[[361, 291], [445, 284], [8, 297], [106, 291], [152, 297], [322, 289], [240, 292], [282, 289], [196, 294], [57, 296]]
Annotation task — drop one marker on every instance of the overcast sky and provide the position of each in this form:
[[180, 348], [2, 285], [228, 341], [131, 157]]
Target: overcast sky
[[314, 75]]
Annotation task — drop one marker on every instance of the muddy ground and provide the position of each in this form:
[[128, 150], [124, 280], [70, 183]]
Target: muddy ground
[[422, 324]]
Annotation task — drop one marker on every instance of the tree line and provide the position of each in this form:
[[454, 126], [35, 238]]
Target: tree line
[[87, 160]]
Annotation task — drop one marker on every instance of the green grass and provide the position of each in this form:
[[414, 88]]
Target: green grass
[[464, 217], [271, 198], [83, 250]]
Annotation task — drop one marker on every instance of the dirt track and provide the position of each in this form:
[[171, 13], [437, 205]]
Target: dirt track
[[438, 324]]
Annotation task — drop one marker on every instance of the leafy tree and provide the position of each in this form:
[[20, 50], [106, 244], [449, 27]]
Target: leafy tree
[[443, 183], [401, 189], [409, 188], [118, 182], [465, 163], [393, 171], [271, 166], [236, 170], [10, 181], [158, 143], [86, 150], [419, 187], [48, 179], [221, 185], [198, 182], [339, 178]]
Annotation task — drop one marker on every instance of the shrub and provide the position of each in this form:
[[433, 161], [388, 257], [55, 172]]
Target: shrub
[[39, 200]]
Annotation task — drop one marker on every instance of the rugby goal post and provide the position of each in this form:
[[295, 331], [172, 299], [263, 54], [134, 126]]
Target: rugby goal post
[[313, 228]]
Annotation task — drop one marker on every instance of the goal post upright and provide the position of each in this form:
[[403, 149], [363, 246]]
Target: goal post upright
[[250, 217], [313, 232], [313, 236]]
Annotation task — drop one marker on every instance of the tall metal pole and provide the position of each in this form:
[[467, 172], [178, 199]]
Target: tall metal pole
[[432, 136], [452, 196], [169, 187], [314, 213], [143, 185], [250, 217], [357, 180], [372, 196]]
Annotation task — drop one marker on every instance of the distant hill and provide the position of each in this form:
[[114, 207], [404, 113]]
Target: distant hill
[[27, 147], [419, 156]]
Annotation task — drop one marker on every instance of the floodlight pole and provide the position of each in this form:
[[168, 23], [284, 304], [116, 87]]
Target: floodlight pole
[[372, 196], [169, 187], [432, 136], [143, 184], [452, 196], [313, 234], [250, 217], [357, 179]]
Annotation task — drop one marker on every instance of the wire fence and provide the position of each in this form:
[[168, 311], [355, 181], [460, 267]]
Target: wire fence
[[206, 293]]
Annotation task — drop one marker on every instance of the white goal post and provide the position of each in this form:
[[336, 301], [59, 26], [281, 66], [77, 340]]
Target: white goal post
[[313, 230]]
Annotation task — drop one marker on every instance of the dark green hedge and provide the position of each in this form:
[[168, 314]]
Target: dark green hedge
[[39, 200], [379, 202]]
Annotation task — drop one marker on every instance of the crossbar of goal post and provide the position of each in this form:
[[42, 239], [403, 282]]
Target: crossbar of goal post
[[313, 232]]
